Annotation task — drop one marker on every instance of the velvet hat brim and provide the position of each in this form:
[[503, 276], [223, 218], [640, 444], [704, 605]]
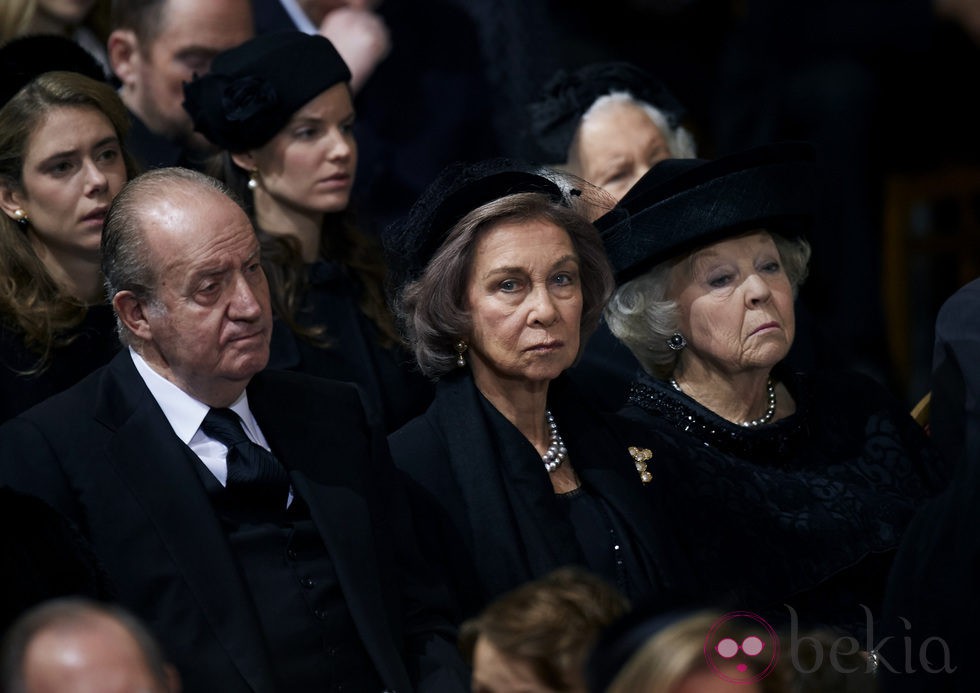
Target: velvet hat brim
[[24, 59], [683, 204], [458, 190], [252, 90]]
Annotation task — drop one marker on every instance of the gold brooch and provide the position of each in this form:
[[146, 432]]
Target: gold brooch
[[640, 457]]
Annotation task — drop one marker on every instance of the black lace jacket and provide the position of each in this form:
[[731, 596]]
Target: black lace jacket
[[806, 511]]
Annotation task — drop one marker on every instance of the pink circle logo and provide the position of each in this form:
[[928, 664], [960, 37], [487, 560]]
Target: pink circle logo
[[741, 647]]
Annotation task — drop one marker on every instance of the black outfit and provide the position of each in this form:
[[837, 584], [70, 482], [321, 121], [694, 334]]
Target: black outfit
[[934, 580], [95, 342], [807, 510], [393, 388], [487, 512], [330, 590]]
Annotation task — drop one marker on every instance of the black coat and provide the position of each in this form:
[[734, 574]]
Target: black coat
[[485, 508], [105, 455], [94, 344], [931, 598]]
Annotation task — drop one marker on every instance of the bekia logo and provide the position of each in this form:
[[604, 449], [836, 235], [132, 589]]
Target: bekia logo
[[741, 647]]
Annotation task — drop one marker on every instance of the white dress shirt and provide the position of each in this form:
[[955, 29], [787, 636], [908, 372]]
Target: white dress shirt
[[186, 414]]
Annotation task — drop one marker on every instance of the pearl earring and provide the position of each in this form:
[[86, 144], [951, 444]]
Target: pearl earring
[[253, 179], [461, 348], [20, 216]]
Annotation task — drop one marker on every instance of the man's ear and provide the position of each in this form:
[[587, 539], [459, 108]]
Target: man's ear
[[10, 198], [124, 55], [132, 314]]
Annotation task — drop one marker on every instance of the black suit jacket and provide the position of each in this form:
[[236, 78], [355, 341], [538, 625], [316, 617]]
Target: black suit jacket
[[104, 454]]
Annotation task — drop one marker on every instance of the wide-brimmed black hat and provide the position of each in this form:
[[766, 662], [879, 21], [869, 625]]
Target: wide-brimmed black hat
[[682, 204], [24, 59], [459, 189], [555, 117], [253, 89]]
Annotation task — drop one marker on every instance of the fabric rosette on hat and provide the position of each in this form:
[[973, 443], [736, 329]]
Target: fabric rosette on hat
[[253, 90], [682, 204], [570, 93]]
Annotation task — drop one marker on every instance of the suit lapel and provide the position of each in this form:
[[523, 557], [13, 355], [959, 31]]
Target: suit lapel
[[158, 468]]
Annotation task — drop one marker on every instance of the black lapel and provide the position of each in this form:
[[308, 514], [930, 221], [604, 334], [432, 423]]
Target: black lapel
[[159, 469]]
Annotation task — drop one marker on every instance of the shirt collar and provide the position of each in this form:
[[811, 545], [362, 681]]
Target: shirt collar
[[185, 413]]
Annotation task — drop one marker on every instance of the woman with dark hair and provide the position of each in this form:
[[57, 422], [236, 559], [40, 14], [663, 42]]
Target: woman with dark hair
[[280, 106], [779, 487], [512, 474], [61, 164]]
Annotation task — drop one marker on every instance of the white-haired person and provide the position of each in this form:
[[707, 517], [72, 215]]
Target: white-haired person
[[779, 486]]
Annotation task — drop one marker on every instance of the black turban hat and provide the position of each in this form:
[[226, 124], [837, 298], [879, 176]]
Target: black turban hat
[[253, 89], [458, 190], [569, 94]]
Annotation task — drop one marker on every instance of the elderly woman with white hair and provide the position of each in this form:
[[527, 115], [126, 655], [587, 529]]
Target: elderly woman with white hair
[[608, 123], [780, 487]]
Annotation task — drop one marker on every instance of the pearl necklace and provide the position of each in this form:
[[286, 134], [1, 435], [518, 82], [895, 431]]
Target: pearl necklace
[[557, 452], [770, 407]]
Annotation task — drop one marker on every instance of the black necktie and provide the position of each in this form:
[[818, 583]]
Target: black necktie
[[254, 474]]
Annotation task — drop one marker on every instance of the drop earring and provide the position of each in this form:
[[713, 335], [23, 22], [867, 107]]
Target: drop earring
[[253, 179], [20, 216], [461, 348], [676, 342]]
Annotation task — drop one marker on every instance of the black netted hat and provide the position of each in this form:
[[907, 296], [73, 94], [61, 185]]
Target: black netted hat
[[682, 204], [27, 57], [570, 93], [253, 89], [458, 190]]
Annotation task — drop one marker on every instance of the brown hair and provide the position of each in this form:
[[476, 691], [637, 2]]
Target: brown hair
[[433, 309], [30, 300], [550, 623]]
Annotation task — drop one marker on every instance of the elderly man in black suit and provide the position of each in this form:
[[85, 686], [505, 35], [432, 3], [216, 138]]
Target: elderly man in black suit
[[250, 518]]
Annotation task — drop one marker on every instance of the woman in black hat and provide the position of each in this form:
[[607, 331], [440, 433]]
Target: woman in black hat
[[779, 486], [280, 106], [511, 473], [608, 123], [61, 164]]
